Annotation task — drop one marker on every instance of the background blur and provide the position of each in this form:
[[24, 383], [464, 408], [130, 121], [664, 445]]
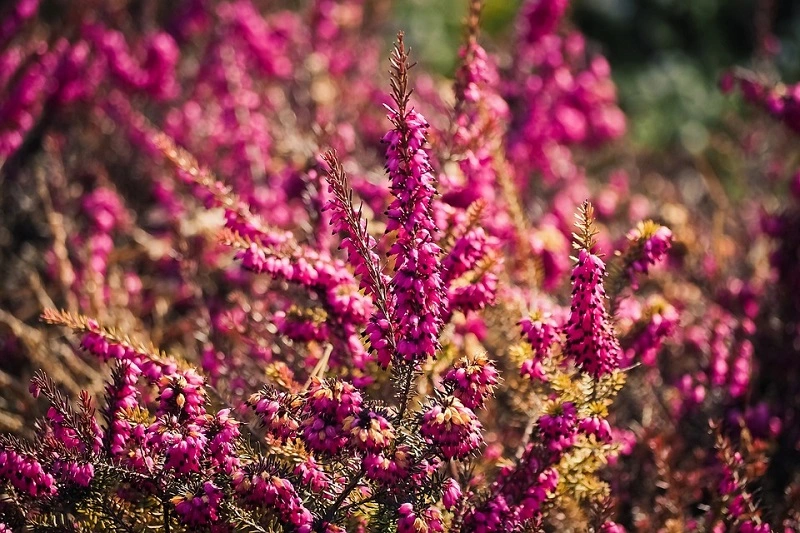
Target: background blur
[[666, 55]]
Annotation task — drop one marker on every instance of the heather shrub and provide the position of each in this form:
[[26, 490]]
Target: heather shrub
[[256, 276]]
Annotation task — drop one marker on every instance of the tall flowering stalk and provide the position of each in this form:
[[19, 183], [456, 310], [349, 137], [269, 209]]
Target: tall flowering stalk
[[417, 284], [360, 247], [590, 339]]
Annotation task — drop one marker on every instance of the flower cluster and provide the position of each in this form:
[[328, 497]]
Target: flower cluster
[[541, 332], [590, 340], [452, 427]]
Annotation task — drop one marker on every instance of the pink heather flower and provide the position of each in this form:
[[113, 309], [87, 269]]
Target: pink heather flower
[[465, 253], [200, 508], [368, 430], [300, 328], [535, 496], [453, 428], [650, 243], [473, 379], [334, 398], [597, 426], [655, 323], [470, 252], [556, 429], [328, 278], [65, 435], [184, 447], [517, 495], [348, 309], [474, 295], [541, 331], [479, 120], [719, 347], [25, 473], [313, 476], [182, 394], [407, 519], [692, 390], [740, 371], [378, 331], [590, 339], [222, 433], [387, 467], [74, 472], [411, 521], [268, 45], [433, 520], [121, 396], [451, 494], [417, 284], [277, 412], [23, 100], [332, 528], [260, 488], [97, 344], [425, 469], [5, 529], [750, 526], [323, 435], [729, 483], [132, 443]]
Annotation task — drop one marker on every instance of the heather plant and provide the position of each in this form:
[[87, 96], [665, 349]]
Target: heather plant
[[282, 291]]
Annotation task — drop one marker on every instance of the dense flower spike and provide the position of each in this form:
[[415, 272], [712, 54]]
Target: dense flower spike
[[557, 428], [417, 283], [479, 115], [590, 339], [469, 272], [782, 101], [156, 73]]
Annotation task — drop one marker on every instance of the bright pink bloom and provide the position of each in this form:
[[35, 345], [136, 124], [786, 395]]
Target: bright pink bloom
[[591, 341]]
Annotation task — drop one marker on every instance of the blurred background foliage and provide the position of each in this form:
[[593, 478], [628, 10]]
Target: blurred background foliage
[[666, 55]]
